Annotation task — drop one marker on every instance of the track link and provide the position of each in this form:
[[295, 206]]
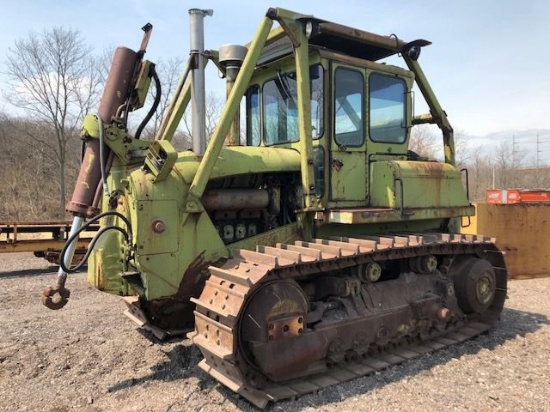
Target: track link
[[225, 295]]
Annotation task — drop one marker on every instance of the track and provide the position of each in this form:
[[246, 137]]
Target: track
[[224, 307]]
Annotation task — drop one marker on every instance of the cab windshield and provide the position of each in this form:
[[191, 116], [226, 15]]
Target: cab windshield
[[272, 109]]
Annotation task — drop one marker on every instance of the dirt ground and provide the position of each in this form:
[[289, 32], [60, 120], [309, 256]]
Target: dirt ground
[[90, 357]]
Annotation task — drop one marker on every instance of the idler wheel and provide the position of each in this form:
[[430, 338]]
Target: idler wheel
[[475, 286], [271, 331]]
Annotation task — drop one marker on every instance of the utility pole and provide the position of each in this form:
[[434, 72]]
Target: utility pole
[[513, 150], [537, 155], [513, 160]]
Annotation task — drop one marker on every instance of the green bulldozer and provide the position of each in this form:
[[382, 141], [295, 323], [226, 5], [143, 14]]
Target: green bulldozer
[[305, 244]]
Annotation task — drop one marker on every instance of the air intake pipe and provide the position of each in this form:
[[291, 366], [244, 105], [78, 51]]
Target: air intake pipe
[[231, 58]]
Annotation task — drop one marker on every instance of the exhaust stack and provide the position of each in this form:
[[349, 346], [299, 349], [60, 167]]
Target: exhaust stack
[[198, 92]]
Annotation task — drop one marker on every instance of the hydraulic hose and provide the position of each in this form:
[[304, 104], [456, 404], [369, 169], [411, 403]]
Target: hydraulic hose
[[127, 234], [90, 248], [57, 296], [155, 105]]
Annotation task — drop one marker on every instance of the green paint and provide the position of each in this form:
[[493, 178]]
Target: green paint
[[405, 184], [368, 187]]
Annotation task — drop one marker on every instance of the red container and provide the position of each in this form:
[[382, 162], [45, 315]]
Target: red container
[[512, 196]]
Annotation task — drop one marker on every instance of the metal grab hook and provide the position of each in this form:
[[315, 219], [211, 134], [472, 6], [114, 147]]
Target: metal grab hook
[[56, 297]]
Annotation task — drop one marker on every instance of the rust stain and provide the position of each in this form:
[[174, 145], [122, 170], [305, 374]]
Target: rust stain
[[194, 277], [434, 170], [337, 164], [175, 313]]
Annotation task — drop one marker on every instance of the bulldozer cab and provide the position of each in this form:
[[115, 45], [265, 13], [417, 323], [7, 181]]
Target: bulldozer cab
[[360, 112], [324, 90]]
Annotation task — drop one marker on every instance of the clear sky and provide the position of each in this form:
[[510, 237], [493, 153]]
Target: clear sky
[[488, 63]]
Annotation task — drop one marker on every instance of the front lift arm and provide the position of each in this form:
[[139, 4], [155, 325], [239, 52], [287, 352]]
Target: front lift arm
[[438, 115], [105, 136]]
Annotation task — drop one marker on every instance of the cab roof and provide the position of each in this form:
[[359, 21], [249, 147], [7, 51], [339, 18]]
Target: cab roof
[[342, 39]]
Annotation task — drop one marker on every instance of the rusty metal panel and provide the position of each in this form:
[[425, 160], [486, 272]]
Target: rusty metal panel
[[521, 231], [416, 184], [159, 232]]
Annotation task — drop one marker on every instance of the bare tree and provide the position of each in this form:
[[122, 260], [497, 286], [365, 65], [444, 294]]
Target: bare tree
[[168, 72], [104, 61], [54, 79], [27, 189], [214, 106], [505, 165], [480, 173], [462, 153], [424, 142]]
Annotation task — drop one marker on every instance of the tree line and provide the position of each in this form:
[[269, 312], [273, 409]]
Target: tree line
[[54, 79], [488, 167]]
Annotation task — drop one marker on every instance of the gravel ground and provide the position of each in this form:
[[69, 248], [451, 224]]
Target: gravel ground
[[90, 357]]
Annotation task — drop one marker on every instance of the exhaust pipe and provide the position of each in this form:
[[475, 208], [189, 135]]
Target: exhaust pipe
[[198, 93]]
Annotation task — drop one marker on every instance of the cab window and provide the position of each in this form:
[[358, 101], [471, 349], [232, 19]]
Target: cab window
[[387, 110], [280, 110], [349, 89], [253, 116], [280, 107]]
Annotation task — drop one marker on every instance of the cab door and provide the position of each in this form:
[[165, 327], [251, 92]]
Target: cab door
[[348, 181]]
